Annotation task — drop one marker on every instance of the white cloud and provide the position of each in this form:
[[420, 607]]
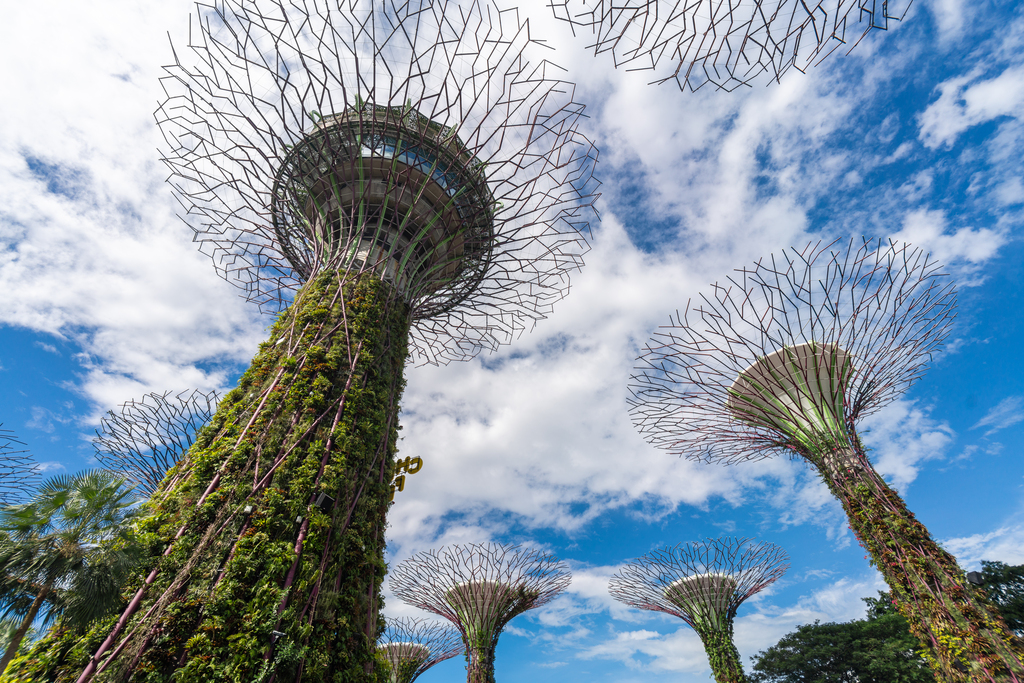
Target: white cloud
[[966, 101], [962, 250], [1004, 414], [903, 435], [1005, 544]]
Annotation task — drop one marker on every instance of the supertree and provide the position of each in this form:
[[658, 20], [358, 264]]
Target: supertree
[[703, 583], [18, 470], [725, 43], [412, 646], [786, 357], [479, 588], [148, 436], [402, 178]]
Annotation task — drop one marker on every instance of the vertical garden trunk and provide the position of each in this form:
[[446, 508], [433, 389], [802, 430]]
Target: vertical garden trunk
[[480, 667], [723, 656], [270, 532], [965, 639]]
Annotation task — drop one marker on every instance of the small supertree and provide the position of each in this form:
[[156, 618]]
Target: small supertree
[[785, 358], [404, 179], [148, 436], [726, 44], [479, 588], [18, 470], [703, 583], [412, 646]]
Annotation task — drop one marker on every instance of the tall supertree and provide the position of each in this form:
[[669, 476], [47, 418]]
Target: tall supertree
[[403, 179], [728, 43], [18, 471], [148, 436], [479, 588], [786, 357], [411, 646], [703, 583]]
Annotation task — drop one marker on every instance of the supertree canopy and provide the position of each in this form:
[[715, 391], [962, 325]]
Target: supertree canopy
[[724, 43], [18, 472], [703, 583], [411, 646], [396, 176], [426, 142], [479, 588], [786, 357], [147, 436]]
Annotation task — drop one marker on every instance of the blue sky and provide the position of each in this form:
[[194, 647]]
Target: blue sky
[[918, 134]]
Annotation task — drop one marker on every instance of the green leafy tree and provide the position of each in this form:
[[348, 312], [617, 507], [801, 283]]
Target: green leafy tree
[[878, 649], [66, 553], [1004, 585]]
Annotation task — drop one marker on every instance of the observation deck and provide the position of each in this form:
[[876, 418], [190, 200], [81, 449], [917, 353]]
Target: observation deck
[[387, 190]]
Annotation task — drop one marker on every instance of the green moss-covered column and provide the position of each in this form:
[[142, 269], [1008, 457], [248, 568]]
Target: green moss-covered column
[[480, 660], [723, 656], [965, 639], [269, 535]]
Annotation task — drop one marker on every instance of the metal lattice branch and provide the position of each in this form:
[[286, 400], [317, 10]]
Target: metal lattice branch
[[148, 436], [786, 355], [315, 136], [726, 44], [18, 470], [703, 583], [479, 587], [412, 646]]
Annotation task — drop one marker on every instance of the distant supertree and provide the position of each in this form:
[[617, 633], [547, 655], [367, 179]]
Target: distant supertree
[[786, 357], [412, 646], [18, 471], [703, 583], [726, 44], [404, 177], [479, 588], [147, 436]]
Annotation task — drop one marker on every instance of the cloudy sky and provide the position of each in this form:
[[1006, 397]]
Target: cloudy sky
[[916, 135]]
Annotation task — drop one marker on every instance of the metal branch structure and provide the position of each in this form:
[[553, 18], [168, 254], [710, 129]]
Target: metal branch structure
[[147, 436], [703, 583], [479, 588], [428, 143], [402, 178], [724, 43], [785, 357], [19, 473], [411, 646]]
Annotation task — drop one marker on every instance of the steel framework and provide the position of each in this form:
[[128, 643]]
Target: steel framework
[[484, 185], [703, 583], [479, 588], [18, 470], [785, 358], [725, 43], [148, 436], [399, 177], [412, 646]]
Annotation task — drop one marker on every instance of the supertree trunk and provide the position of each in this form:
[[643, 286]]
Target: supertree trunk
[[269, 532], [723, 655], [480, 666], [965, 639]]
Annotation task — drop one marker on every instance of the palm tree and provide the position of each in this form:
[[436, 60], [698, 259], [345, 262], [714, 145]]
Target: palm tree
[[69, 549]]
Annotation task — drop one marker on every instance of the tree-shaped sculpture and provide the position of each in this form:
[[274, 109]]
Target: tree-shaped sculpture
[[18, 470], [148, 436], [408, 179], [727, 44], [786, 357], [479, 588], [703, 583], [411, 646]]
